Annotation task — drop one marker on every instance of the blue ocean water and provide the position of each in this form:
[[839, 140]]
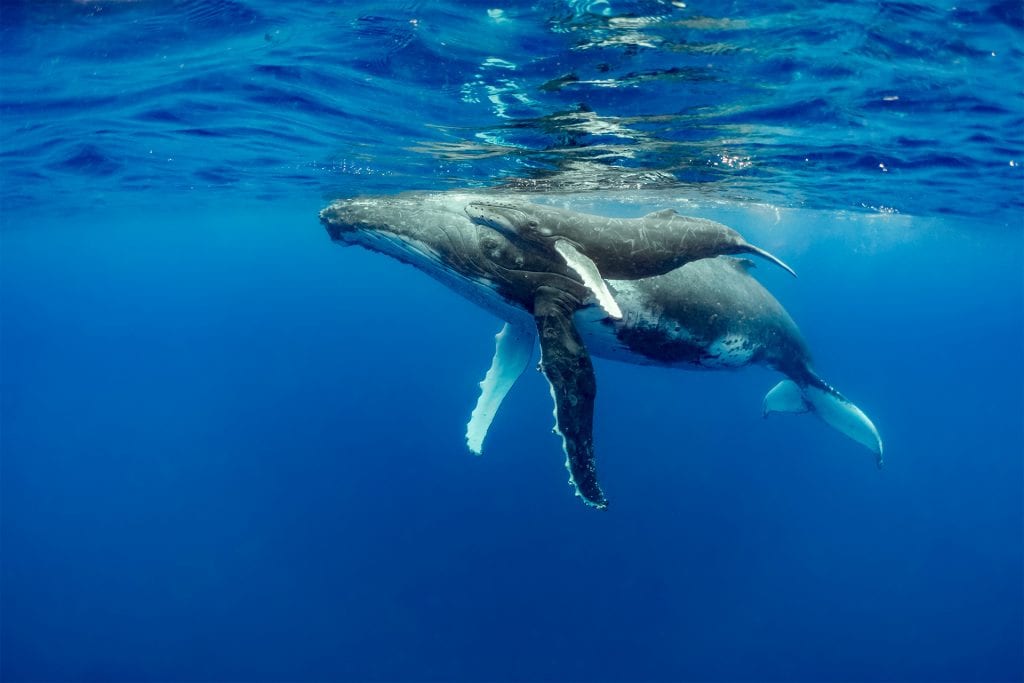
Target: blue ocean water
[[234, 452]]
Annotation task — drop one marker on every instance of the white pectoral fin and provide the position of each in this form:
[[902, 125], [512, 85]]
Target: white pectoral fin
[[591, 276], [831, 406], [513, 349]]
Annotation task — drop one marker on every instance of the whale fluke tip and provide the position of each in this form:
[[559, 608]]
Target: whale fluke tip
[[771, 257]]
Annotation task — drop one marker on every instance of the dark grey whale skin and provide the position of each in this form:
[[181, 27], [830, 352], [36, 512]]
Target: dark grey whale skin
[[709, 300], [673, 319], [622, 248]]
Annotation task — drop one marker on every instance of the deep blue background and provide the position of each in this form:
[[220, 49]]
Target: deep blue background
[[234, 451]]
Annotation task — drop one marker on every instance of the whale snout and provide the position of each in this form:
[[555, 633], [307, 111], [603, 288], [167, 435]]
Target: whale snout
[[332, 226], [340, 218], [329, 219]]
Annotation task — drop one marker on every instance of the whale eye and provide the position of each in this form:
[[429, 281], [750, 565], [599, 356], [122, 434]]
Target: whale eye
[[533, 225]]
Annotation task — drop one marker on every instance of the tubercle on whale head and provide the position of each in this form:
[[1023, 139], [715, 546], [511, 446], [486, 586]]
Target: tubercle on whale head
[[503, 217]]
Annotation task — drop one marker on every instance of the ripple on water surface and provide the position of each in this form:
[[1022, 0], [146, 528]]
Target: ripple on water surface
[[910, 106]]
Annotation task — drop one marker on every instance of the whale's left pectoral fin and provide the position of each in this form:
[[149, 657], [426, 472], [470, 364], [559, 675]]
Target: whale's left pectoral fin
[[513, 348], [566, 364], [585, 267]]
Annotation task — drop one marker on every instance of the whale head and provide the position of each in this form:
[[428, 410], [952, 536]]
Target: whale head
[[435, 234], [430, 235]]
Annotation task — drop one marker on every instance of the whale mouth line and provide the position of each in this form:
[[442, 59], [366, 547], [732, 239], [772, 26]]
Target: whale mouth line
[[391, 244]]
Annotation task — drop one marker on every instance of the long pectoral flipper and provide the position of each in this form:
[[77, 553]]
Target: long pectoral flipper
[[513, 348], [566, 364], [591, 276]]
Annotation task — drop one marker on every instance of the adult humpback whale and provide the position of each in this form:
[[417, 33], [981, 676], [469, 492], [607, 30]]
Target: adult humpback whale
[[598, 247], [707, 314]]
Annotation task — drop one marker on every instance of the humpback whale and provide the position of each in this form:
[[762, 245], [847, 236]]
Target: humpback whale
[[597, 247], [707, 314]]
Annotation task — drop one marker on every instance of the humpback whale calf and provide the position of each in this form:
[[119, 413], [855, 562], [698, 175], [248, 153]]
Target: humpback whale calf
[[707, 314], [597, 247]]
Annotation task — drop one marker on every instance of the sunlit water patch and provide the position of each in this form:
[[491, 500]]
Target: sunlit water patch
[[892, 107]]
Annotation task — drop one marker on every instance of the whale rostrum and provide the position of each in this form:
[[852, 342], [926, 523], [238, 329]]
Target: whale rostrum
[[707, 313]]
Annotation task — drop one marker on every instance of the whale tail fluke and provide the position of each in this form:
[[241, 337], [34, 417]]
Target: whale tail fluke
[[767, 255], [832, 407]]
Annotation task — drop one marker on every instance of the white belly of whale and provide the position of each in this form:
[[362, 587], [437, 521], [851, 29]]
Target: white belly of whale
[[729, 351]]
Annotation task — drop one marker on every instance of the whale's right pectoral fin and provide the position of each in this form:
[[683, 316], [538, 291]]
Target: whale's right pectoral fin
[[566, 364], [513, 348], [828, 404], [585, 267]]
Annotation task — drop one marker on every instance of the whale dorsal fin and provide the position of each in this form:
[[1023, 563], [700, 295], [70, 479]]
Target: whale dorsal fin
[[513, 348], [664, 214], [591, 276], [566, 365]]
